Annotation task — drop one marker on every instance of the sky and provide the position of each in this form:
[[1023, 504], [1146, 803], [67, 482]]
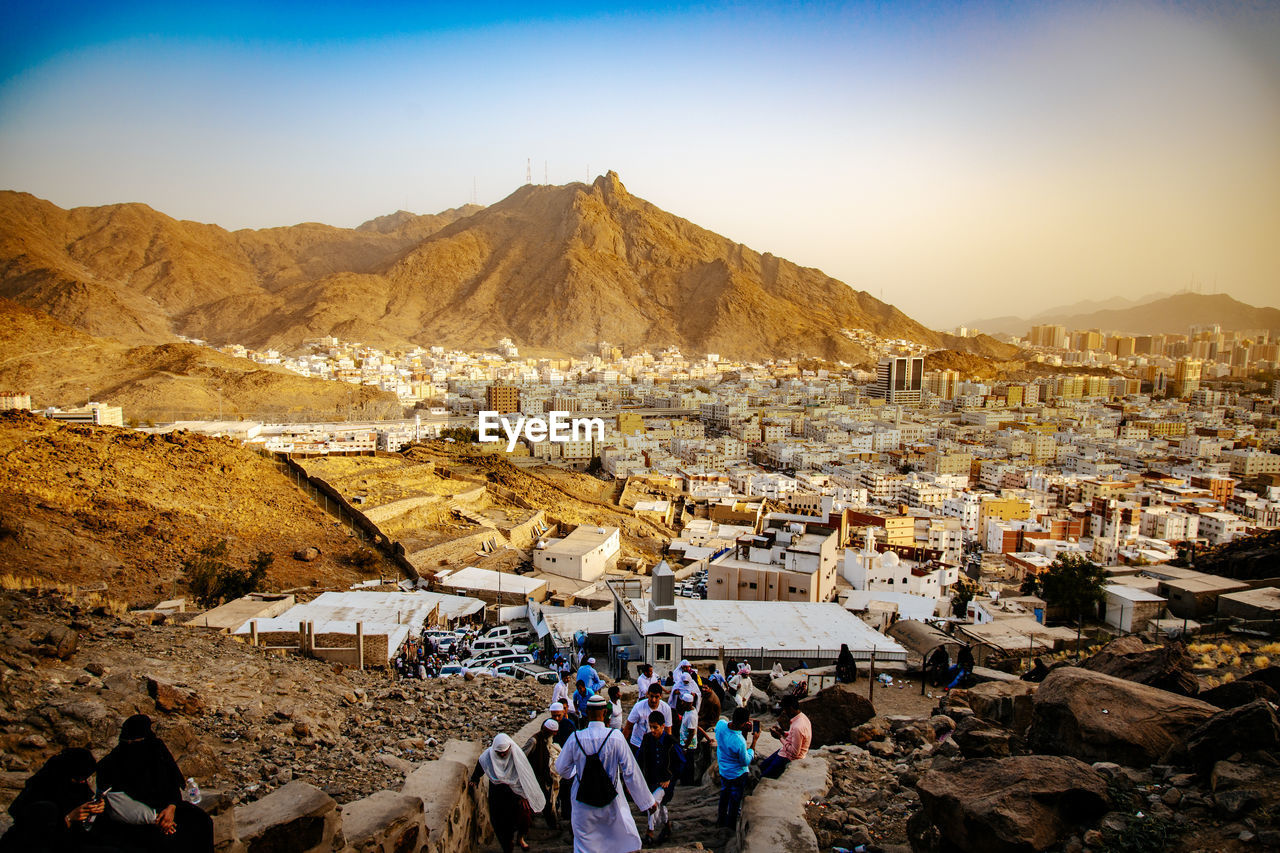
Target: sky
[[960, 160]]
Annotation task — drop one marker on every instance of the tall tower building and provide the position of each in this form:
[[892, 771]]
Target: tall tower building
[[503, 399], [899, 379]]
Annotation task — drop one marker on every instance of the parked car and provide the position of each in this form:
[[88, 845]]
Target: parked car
[[451, 669], [495, 660], [486, 643], [537, 672]]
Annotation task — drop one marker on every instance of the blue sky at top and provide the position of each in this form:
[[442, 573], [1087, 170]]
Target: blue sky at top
[[948, 156]]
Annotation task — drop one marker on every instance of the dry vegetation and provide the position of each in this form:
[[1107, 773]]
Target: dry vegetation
[[1227, 659]]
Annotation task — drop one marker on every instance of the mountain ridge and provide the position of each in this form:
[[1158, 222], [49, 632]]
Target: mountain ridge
[[552, 267], [1166, 314]]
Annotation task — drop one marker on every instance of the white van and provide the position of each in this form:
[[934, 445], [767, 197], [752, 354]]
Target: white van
[[485, 643]]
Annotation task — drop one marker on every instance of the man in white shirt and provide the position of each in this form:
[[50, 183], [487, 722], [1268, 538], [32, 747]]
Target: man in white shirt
[[561, 692], [638, 720], [646, 678], [609, 828]]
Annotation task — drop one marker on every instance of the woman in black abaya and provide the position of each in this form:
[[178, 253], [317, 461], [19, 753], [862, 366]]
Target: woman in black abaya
[[846, 669], [142, 767], [53, 810]]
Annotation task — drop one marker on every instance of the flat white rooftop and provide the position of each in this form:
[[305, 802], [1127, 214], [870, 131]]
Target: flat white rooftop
[[1131, 593], [489, 581], [391, 613], [582, 540], [779, 626]]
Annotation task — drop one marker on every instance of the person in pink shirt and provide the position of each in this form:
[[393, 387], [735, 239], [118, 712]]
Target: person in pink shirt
[[796, 737]]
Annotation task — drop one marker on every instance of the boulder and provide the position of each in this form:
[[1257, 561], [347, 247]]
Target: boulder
[[1096, 717], [1007, 703], [978, 738], [1233, 694], [1166, 667], [1250, 727], [385, 822], [62, 641], [298, 818], [1011, 805], [173, 699], [307, 555], [834, 711], [1268, 675]]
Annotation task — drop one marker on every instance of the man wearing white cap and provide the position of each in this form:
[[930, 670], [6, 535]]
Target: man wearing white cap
[[587, 675], [606, 827], [564, 728]]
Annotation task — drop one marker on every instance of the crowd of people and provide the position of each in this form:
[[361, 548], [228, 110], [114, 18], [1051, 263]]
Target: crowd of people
[[591, 753], [132, 801]]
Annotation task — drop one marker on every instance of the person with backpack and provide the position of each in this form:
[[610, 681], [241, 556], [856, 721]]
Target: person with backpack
[[661, 761], [600, 763]]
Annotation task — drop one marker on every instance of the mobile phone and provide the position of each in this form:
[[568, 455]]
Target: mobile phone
[[755, 726]]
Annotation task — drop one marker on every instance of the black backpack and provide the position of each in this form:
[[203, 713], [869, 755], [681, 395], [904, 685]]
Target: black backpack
[[595, 788]]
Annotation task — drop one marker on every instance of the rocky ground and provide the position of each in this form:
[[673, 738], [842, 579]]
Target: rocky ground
[[1086, 761], [237, 718], [84, 505]]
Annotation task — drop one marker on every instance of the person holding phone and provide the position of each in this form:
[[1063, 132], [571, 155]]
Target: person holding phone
[[796, 733], [56, 808], [733, 758]]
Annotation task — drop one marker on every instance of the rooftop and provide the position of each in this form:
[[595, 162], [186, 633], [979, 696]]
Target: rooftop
[[779, 626]]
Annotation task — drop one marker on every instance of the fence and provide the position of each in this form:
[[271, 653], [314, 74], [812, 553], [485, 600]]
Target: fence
[[762, 658], [326, 496]]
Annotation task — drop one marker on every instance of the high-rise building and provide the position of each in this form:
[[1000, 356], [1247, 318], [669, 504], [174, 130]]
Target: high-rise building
[[503, 399], [898, 379], [1186, 378], [1049, 336]]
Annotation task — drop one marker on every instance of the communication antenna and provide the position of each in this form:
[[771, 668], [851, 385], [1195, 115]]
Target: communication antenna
[[528, 170], [544, 173], [473, 190]]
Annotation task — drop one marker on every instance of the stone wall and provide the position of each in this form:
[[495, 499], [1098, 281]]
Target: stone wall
[[433, 812], [773, 815]]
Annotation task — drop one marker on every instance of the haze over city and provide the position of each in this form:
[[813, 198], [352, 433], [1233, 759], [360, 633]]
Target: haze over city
[[942, 157]]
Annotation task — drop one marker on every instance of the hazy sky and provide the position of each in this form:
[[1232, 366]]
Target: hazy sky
[[959, 160]]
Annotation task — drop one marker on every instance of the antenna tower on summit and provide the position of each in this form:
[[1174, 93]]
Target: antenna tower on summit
[[528, 170], [545, 182]]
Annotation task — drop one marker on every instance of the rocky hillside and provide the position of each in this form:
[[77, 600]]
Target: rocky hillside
[[554, 268], [127, 272], [84, 505], [61, 366], [238, 719]]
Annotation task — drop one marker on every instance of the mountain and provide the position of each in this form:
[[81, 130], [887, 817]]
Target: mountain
[[61, 366], [1175, 314], [1159, 314], [552, 267]]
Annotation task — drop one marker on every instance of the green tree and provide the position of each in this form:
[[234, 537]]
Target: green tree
[[1073, 583], [211, 579]]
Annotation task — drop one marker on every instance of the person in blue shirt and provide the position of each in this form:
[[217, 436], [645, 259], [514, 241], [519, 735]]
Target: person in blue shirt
[[733, 757], [580, 698], [588, 675]]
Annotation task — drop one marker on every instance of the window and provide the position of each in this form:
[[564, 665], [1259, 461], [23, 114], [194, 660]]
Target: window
[[719, 580], [791, 589], [662, 651], [752, 585]]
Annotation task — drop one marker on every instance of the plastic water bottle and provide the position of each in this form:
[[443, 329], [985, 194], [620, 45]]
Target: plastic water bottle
[[191, 793]]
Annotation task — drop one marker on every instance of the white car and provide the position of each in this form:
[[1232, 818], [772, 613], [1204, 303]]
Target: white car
[[451, 669]]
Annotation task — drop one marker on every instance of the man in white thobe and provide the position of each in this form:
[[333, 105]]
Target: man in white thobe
[[610, 828]]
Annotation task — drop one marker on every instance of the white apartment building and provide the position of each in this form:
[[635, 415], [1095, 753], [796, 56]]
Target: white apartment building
[[1221, 527], [585, 554], [1169, 524]]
